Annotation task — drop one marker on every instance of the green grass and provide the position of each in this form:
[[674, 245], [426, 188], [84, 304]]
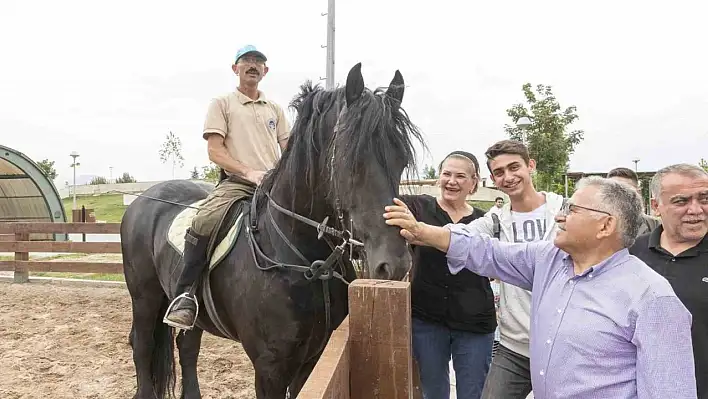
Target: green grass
[[106, 207], [84, 276], [483, 205]]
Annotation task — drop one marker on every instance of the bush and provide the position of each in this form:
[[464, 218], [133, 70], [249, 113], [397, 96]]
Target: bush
[[98, 180]]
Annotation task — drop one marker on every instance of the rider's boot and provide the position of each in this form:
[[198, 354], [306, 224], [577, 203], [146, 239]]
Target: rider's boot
[[182, 311]]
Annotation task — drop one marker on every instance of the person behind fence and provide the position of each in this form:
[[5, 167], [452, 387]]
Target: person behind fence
[[678, 249], [453, 316], [628, 176], [245, 134], [603, 323], [497, 207]]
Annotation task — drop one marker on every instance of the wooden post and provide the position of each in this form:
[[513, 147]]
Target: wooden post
[[380, 339], [21, 274]]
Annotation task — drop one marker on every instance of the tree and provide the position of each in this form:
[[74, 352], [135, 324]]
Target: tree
[[172, 150], [429, 172], [210, 173], [47, 168], [98, 180], [548, 139], [194, 174], [126, 178], [703, 164]]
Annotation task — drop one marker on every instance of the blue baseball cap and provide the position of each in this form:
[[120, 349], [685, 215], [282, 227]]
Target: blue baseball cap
[[249, 49]]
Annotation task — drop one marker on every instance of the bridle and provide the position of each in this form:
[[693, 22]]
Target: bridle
[[318, 269], [312, 270]]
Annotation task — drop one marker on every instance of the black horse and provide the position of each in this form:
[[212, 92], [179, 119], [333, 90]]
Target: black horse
[[347, 152]]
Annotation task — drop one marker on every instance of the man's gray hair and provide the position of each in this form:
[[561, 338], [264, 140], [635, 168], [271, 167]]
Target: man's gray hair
[[684, 169], [621, 201]]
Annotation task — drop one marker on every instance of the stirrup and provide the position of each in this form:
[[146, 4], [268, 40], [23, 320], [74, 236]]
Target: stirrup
[[169, 309]]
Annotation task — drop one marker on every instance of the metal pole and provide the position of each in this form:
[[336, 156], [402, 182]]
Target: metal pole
[[74, 183], [329, 84]]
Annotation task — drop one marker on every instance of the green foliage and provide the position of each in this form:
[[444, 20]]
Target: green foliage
[[429, 172], [210, 173], [126, 178], [703, 164], [47, 168], [644, 184], [548, 139], [98, 180], [172, 150], [194, 174]]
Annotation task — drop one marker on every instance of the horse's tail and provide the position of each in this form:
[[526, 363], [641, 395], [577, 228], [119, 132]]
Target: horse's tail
[[163, 359]]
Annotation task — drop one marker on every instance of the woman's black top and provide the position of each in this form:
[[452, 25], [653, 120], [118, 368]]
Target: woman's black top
[[464, 301]]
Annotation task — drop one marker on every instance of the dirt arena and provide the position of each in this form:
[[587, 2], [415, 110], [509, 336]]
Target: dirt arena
[[72, 342]]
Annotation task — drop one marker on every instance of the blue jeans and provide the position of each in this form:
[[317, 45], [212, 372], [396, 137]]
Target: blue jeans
[[434, 345]]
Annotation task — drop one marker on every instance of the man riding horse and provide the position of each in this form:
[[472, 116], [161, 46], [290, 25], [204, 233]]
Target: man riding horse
[[246, 133]]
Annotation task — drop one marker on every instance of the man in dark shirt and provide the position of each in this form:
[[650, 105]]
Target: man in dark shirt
[[678, 249], [628, 176]]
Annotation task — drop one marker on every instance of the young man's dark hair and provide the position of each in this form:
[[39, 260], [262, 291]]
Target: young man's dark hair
[[512, 147], [624, 173]]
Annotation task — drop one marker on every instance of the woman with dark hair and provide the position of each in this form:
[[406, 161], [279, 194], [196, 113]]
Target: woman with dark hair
[[453, 316]]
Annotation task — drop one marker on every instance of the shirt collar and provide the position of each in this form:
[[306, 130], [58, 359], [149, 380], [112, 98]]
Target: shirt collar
[[609, 263], [244, 99], [655, 244]]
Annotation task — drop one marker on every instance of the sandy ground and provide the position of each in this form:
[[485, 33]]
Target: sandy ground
[[72, 342]]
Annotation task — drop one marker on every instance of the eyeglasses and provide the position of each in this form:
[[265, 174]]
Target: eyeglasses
[[251, 60], [568, 206]]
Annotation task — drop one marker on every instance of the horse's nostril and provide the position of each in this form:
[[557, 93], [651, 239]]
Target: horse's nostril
[[384, 271]]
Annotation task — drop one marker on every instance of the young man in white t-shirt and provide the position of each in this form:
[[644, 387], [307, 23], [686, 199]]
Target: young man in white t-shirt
[[529, 216]]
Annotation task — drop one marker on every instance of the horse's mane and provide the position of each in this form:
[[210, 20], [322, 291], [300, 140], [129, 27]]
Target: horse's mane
[[373, 129]]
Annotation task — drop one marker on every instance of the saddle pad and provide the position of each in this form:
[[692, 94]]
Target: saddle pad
[[180, 224]]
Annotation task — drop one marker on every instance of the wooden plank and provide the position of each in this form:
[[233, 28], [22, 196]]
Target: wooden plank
[[330, 377], [7, 237], [21, 274], [380, 339], [66, 228], [67, 266], [61, 246]]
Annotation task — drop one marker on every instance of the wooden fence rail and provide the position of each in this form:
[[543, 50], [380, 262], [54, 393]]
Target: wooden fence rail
[[370, 355], [22, 247]]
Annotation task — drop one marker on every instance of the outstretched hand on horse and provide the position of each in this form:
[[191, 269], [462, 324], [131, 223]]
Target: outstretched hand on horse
[[415, 232]]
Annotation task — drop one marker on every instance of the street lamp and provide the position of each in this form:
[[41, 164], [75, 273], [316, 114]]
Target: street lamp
[[524, 122], [74, 155], [636, 161]]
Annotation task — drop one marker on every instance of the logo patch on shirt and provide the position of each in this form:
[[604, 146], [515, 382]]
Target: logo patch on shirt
[[705, 279], [271, 124]]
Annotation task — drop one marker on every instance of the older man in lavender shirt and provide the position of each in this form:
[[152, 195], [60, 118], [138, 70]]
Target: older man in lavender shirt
[[603, 324]]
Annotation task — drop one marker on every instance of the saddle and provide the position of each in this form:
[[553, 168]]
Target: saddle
[[221, 242], [224, 238]]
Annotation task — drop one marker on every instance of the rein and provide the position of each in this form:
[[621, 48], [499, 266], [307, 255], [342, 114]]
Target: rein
[[318, 269]]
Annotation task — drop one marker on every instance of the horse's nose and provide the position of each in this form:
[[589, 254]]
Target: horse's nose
[[383, 271]]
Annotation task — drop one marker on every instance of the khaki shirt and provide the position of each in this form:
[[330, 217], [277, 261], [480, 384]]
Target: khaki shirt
[[251, 129]]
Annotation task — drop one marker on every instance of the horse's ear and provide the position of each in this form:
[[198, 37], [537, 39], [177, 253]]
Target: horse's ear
[[355, 84], [396, 87]]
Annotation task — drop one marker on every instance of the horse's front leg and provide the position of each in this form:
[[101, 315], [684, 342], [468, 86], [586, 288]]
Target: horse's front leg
[[273, 376], [189, 343]]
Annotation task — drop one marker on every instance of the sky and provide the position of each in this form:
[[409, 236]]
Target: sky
[[111, 79]]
